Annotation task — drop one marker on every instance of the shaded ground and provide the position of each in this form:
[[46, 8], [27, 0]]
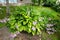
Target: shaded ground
[[4, 35], [46, 36], [25, 36]]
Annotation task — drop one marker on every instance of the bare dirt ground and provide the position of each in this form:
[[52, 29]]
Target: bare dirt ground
[[4, 35], [25, 36]]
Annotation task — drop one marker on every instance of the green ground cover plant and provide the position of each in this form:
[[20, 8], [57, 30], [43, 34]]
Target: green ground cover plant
[[2, 15], [31, 19], [2, 25], [54, 4], [46, 36], [2, 12]]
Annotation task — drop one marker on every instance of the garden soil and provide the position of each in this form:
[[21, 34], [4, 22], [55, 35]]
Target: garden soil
[[4, 35]]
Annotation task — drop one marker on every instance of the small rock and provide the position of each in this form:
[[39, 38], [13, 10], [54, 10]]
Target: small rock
[[4, 21], [13, 35], [48, 29], [49, 25], [17, 32], [50, 32]]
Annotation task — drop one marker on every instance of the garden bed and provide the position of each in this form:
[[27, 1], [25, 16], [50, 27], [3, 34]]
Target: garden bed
[[26, 36]]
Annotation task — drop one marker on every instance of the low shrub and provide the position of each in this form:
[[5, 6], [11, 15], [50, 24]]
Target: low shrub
[[31, 19], [55, 4]]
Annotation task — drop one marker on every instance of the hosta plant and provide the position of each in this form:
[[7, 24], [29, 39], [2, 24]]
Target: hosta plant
[[31, 19]]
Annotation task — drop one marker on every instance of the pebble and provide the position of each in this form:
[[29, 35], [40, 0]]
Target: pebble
[[50, 32], [48, 29], [4, 20]]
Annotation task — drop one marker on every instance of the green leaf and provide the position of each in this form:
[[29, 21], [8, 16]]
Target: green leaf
[[21, 28], [12, 22], [33, 32]]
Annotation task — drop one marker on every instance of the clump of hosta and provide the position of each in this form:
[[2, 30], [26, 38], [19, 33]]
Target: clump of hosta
[[31, 19]]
